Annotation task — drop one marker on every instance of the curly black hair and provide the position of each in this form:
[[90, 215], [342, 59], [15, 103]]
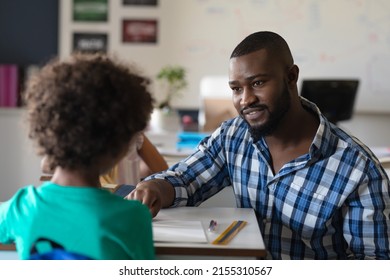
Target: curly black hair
[[85, 107]]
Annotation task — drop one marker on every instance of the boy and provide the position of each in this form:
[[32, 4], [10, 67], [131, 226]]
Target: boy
[[82, 115]]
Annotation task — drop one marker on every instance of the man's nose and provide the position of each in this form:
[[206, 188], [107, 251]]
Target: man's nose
[[248, 97]]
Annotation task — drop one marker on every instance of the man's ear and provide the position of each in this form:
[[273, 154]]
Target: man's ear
[[293, 74]]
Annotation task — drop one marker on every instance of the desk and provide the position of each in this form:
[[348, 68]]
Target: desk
[[248, 243]]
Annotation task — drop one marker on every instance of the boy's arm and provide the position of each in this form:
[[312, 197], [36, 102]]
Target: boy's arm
[[4, 234], [152, 157], [47, 172]]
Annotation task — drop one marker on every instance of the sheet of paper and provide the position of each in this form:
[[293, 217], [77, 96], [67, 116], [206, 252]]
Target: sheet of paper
[[178, 231]]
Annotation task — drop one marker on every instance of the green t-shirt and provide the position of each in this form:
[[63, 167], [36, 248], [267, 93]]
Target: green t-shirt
[[85, 220]]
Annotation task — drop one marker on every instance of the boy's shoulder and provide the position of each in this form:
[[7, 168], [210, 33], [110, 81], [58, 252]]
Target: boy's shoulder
[[25, 192]]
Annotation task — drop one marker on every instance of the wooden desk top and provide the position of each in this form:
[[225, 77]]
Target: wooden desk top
[[7, 247]]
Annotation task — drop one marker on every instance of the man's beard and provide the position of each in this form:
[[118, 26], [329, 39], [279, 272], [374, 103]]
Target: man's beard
[[258, 131]]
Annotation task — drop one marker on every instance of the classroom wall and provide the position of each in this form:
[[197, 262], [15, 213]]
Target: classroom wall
[[328, 39], [19, 165], [185, 38]]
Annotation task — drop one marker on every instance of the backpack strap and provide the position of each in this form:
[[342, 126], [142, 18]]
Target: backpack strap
[[46, 249]]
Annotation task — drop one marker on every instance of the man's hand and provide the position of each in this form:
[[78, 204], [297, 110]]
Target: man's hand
[[154, 193]]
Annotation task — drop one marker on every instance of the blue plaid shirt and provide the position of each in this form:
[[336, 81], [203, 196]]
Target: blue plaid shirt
[[331, 203]]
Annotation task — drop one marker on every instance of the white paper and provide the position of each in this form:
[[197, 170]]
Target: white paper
[[178, 231]]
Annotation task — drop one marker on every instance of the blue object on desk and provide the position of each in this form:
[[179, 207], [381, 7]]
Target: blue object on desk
[[189, 140]]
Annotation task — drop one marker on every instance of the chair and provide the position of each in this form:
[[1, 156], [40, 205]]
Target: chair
[[46, 249], [216, 103]]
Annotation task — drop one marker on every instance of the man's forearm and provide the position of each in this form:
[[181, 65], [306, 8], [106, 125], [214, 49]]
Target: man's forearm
[[167, 192]]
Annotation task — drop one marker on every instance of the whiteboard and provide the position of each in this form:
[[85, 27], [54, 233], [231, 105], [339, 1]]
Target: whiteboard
[[328, 39]]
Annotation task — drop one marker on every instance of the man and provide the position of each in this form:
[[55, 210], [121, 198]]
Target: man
[[319, 193]]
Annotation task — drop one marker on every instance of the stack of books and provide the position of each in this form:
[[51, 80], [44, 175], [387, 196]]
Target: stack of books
[[9, 85]]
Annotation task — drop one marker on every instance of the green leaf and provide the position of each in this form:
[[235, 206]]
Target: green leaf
[[175, 78]]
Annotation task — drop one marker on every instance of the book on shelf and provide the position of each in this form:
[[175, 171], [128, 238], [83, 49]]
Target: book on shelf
[[9, 85]]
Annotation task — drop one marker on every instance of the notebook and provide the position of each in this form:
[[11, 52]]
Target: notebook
[[178, 231]]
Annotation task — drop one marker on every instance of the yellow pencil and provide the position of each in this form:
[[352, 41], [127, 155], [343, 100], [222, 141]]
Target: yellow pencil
[[231, 231]]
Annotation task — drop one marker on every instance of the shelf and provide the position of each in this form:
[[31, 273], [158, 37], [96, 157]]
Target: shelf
[[11, 111]]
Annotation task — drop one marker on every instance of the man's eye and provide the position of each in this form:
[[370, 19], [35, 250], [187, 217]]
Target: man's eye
[[257, 83]]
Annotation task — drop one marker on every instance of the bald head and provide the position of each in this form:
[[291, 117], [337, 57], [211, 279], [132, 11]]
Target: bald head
[[272, 42]]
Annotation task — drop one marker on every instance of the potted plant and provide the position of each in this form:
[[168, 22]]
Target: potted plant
[[173, 80]]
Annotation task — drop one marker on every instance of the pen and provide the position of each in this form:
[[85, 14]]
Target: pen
[[213, 225]]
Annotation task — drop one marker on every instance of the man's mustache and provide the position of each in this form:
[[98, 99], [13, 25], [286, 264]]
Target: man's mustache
[[254, 106]]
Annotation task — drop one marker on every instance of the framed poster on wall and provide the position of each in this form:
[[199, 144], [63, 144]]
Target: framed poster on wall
[[90, 42], [90, 10], [139, 31]]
